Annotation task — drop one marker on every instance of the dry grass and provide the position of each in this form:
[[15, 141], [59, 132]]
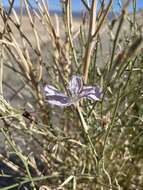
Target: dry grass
[[46, 147]]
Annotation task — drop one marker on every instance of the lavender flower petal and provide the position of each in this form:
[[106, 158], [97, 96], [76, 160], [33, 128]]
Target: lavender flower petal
[[58, 100], [91, 92], [51, 90], [75, 85]]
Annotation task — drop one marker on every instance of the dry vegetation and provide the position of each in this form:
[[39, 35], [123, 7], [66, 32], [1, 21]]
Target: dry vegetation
[[47, 147]]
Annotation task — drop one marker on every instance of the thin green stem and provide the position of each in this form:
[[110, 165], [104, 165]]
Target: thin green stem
[[112, 122], [19, 154], [86, 128], [134, 10]]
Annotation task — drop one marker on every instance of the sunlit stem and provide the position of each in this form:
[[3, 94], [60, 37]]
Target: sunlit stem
[[85, 127]]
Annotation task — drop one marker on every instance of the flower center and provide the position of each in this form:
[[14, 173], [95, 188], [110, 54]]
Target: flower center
[[74, 98]]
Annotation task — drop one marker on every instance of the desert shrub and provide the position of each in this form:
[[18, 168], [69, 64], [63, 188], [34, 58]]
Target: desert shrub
[[90, 145]]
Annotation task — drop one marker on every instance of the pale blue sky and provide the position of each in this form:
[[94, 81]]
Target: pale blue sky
[[77, 5]]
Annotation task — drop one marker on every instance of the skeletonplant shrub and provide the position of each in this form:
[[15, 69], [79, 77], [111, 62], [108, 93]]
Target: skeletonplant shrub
[[92, 145]]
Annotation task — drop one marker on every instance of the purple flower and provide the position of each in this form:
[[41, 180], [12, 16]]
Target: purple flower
[[77, 91]]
